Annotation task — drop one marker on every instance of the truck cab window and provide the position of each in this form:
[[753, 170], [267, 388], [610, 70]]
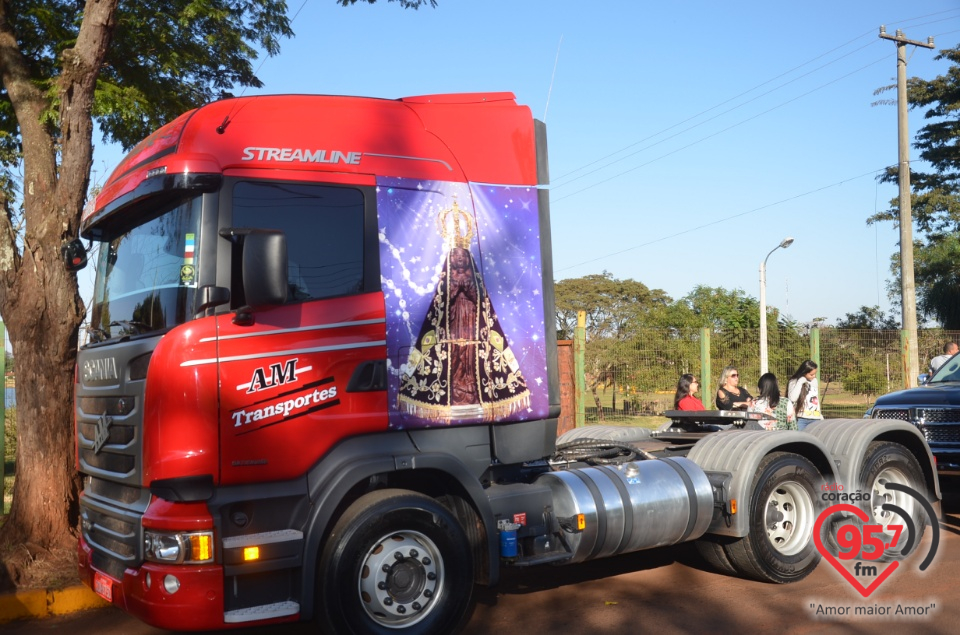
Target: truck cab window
[[324, 230]]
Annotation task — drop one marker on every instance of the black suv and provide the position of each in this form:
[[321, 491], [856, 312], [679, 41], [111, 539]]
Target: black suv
[[934, 408]]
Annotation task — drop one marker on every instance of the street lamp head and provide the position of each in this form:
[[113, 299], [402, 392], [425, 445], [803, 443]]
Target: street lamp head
[[786, 242]]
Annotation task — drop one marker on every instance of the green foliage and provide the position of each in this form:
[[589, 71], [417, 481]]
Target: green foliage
[[164, 58], [935, 201], [869, 317], [720, 309], [867, 378], [10, 436], [614, 308], [406, 4], [9, 362]]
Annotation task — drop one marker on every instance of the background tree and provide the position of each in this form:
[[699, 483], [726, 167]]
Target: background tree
[[615, 311], [64, 64], [723, 310], [613, 307], [935, 201], [869, 318]]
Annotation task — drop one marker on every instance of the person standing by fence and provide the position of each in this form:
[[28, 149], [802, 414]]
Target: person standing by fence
[[803, 390], [730, 396], [685, 397], [949, 350], [770, 402]]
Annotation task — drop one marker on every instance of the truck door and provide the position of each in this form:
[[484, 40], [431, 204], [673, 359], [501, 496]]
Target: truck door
[[312, 371]]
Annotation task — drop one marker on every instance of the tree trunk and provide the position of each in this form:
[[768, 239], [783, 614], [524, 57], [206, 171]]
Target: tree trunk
[[38, 297], [44, 510]]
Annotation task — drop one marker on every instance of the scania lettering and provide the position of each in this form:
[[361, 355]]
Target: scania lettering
[[320, 382]]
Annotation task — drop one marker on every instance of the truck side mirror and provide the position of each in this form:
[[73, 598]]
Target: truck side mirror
[[74, 255], [922, 379], [265, 268]]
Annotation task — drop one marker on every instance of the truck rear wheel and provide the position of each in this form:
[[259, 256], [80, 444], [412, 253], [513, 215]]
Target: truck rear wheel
[[396, 562], [886, 463], [711, 549], [783, 510]]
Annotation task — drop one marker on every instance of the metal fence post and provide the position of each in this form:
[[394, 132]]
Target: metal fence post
[[706, 374], [579, 368], [815, 346]]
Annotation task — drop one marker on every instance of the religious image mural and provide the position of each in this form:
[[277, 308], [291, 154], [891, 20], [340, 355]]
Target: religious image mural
[[460, 268]]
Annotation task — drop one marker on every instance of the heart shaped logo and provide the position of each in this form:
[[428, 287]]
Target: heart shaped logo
[[854, 582]]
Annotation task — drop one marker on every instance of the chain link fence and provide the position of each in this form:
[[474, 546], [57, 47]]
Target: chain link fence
[[637, 377]]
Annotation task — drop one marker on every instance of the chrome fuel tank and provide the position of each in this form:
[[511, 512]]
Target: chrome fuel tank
[[633, 506]]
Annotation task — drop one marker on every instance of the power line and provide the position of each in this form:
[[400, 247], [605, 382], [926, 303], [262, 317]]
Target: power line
[[954, 13], [727, 101], [705, 121], [719, 132], [721, 220]]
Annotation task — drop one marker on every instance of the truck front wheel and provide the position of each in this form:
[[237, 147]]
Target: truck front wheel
[[783, 511], [396, 562]]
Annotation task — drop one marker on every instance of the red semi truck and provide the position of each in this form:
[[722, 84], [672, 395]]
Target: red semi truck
[[320, 382]]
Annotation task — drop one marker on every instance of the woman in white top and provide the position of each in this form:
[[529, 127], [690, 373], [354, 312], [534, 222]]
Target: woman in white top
[[803, 390]]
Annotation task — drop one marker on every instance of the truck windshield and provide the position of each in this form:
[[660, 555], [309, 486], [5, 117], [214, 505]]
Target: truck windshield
[[146, 276], [950, 371]]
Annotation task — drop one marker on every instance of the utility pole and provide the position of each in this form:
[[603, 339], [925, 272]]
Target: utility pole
[[908, 291]]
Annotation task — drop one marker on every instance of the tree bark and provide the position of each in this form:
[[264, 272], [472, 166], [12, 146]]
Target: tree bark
[[39, 299]]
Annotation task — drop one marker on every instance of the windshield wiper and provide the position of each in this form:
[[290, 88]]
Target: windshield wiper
[[131, 327], [98, 335]]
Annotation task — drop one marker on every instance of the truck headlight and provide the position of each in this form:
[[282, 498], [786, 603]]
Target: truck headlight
[[194, 547]]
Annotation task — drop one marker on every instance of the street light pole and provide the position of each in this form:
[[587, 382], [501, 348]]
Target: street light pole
[[786, 242]]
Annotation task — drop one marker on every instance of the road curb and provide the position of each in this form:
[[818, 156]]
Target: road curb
[[39, 603]]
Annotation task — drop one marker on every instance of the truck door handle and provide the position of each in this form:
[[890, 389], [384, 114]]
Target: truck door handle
[[369, 376]]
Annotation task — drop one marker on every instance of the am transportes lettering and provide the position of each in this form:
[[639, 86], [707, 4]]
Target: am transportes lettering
[[282, 408]]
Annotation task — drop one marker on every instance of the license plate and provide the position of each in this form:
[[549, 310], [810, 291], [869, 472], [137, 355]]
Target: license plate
[[103, 586]]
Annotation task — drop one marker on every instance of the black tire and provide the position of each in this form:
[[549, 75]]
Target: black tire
[[711, 549], [396, 562], [783, 510], [887, 462]]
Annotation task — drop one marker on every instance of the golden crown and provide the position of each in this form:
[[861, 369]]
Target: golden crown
[[456, 226]]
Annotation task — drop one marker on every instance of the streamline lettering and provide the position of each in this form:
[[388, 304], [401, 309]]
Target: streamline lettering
[[303, 155]]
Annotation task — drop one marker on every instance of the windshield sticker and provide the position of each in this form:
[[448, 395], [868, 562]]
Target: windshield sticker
[[187, 274], [311, 398], [188, 271]]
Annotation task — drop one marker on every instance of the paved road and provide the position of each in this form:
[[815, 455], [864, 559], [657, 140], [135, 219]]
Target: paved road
[[669, 591]]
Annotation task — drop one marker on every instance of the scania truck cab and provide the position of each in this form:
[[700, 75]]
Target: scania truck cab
[[320, 382]]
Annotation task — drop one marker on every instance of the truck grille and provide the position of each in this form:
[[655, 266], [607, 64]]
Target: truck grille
[[107, 437], [109, 425], [901, 414], [114, 533], [938, 425]]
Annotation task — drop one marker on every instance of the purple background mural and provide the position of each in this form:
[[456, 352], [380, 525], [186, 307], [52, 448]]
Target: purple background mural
[[506, 250]]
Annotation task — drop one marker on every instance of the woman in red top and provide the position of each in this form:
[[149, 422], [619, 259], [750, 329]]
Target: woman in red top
[[684, 399]]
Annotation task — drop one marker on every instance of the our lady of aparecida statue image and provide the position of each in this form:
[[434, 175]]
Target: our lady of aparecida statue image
[[461, 367]]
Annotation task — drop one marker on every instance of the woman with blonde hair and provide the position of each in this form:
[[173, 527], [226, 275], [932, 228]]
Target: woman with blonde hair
[[730, 396]]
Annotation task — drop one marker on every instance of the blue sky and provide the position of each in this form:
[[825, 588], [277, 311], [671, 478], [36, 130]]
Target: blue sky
[[686, 139]]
